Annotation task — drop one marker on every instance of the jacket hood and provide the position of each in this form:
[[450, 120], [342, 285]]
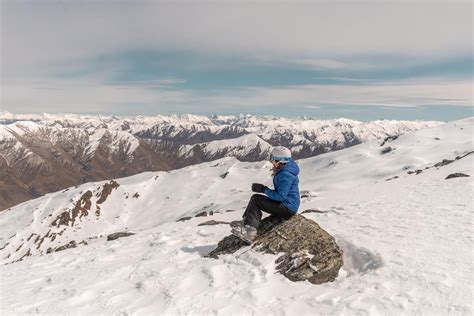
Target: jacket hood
[[292, 167]]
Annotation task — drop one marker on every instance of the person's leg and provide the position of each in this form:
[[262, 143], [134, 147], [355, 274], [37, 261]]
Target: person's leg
[[259, 203]]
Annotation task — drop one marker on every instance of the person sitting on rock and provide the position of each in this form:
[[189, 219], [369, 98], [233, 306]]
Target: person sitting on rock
[[282, 202]]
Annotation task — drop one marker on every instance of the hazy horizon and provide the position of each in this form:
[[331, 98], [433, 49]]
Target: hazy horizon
[[442, 113]]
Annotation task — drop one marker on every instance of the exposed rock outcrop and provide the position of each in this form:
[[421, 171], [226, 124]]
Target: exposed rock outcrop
[[212, 222], [386, 150], [313, 211], [106, 190], [388, 139], [119, 235], [310, 253], [81, 209], [457, 175], [186, 218]]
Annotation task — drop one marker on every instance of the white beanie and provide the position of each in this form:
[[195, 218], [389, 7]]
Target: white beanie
[[281, 154]]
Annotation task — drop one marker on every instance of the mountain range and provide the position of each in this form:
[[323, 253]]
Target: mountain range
[[46, 152]]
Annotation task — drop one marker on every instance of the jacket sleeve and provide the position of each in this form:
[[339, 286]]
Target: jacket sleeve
[[282, 187]]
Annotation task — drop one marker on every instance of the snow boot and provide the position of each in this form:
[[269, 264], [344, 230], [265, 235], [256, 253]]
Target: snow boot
[[246, 233]]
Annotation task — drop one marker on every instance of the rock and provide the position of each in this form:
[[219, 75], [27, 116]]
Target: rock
[[310, 253], [443, 163], [467, 154], [227, 211], [224, 175], [107, 190], [186, 218], [313, 211], [386, 150], [71, 244], [389, 139], [457, 175], [306, 194], [118, 235], [212, 222], [204, 213], [392, 178]]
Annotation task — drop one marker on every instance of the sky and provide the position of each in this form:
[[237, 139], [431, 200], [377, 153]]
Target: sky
[[361, 60]]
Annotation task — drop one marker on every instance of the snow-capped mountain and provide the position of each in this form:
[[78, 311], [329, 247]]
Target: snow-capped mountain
[[45, 153], [400, 209], [36, 159]]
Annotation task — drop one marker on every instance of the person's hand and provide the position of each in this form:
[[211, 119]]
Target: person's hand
[[257, 187]]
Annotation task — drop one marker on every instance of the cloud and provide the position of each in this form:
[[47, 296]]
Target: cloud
[[151, 57], [156, 98], [80, 96], [49, 32]]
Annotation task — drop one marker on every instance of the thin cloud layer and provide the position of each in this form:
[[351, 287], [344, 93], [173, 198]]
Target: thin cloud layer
[[152, 56], [46, 32]]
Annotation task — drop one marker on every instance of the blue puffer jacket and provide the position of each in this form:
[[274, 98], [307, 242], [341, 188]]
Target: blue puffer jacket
[[286, 186]]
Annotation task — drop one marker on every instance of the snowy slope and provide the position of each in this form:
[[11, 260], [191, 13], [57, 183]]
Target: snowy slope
[[407, 241], [242, 148]]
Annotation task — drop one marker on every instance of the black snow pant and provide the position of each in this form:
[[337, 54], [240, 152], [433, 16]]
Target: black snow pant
[[259, 203]]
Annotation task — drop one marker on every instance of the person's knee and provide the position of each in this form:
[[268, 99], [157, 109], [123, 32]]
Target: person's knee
[[256, 196]]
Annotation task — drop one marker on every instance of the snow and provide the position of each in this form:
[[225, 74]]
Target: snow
[[119, 139], [407, 242], [236, 147]]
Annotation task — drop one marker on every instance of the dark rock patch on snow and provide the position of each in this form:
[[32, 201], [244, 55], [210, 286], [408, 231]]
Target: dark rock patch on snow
[[212, 222], [305, 194], [81, 209], [119, 235], [457, 175], [443, 163], [106, 190], [186, 218], [386, 150], [71, 244], [313, 211], [310, 253], [389, 139]]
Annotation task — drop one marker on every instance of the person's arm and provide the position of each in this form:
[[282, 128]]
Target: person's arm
[[281, 191]]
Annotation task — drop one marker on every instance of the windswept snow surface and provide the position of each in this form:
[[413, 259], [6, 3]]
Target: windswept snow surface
[[407, 241]]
